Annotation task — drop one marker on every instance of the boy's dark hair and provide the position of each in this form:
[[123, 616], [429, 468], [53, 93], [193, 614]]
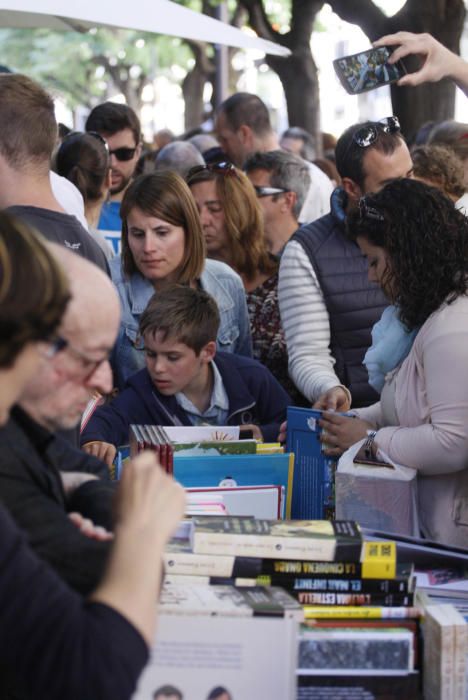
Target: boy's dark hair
[[188, 315], [217, 692], [110, 117], [166, 691], [349, 155]]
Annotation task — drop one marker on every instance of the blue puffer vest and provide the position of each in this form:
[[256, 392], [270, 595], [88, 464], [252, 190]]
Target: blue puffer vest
[[354, 304]]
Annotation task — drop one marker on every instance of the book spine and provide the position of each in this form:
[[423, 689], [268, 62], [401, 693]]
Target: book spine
[[380, 568], [364, 612], [338, 585], [385, 599], [439, 651], [338, 652]]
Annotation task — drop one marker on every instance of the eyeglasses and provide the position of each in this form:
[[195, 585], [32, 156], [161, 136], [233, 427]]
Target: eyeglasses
[[224, 168], [369, 212], [367, 135], [54, 346], [123, 154], [268, 191], [77, 364]]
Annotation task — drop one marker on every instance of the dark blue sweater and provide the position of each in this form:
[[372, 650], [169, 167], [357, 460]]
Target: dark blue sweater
[[254, 397]]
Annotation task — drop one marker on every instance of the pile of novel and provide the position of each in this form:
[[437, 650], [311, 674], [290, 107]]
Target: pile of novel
[[360, 630]]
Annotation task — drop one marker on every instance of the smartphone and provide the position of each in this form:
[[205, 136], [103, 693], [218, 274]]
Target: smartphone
[[368, 70]]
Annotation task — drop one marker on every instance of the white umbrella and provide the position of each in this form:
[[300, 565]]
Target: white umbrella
[[157, 16]]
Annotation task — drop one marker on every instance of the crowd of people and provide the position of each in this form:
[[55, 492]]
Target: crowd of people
[[214, 280]]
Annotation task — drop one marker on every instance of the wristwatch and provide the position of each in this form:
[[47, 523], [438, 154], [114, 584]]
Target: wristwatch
[[369, 443]]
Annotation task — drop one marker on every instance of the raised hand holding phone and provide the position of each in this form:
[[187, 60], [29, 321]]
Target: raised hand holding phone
[[368, 70]]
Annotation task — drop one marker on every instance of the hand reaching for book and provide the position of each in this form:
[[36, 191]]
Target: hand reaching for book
[[340, 432], [102, 450]]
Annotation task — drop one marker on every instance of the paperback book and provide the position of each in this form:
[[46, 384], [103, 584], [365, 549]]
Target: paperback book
[[314, 540]]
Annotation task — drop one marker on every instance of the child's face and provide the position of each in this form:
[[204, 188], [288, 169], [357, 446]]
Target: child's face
[[173, 366]]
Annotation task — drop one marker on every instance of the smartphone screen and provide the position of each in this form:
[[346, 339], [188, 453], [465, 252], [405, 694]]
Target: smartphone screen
[[367, 70]]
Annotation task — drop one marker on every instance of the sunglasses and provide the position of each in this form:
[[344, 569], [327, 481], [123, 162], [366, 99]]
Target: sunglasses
[[368, 212], [123, 154], [367, 135], [224, 168], [268, 191]]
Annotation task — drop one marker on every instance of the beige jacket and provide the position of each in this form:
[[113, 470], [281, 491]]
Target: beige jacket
[[431, 405]]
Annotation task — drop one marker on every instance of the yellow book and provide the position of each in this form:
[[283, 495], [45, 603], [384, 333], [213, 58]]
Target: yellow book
[[361, 612], [379, 559]]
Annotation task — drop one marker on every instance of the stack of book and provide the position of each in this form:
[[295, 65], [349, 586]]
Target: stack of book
[[360, 633]]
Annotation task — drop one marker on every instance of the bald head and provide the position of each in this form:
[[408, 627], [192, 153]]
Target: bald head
[[59, 393], [94, 302]]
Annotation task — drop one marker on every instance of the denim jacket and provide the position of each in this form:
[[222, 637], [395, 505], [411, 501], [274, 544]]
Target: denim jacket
[[217, 279]]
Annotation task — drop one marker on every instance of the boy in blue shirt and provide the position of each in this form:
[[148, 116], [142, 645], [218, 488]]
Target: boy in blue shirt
[[186, 382]]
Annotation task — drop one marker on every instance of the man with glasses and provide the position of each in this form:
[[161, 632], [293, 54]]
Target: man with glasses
[[281, 181], [42, 477], [120, 127], [28, 136], [328, 307]]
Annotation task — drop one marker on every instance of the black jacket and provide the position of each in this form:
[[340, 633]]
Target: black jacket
[[31, 490]]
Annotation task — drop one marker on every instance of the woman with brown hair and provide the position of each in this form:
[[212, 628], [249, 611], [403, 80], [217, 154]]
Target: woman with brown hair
[[233, 228], [162, 244]]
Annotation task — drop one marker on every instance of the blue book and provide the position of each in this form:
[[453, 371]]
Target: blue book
[[237, 470], [313, 486]]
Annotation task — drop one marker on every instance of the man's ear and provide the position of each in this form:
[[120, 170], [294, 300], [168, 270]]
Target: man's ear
[[352, 189], [208, 352], [245, 135], [289, 200]]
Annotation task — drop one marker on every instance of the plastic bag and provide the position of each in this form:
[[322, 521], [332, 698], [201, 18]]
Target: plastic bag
[[379, 498]]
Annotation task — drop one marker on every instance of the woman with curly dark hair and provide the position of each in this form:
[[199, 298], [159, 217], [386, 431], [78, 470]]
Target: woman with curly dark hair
[[416, 244]]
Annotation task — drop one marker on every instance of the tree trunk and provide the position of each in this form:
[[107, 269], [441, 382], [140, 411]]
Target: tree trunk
[[194, 83], [192, 89], [298, 75]]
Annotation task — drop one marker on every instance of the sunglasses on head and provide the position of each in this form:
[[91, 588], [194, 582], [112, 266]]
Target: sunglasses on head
[[225, 168], [367, 135], [367, 211], [123, 153], [268, 191]]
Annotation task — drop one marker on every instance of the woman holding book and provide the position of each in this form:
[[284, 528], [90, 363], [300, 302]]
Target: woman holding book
[[53, 642], [416, 244], [162, 244]]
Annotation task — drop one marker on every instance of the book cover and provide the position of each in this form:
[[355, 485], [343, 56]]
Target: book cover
[[313, 491], [397, 686], [256, 501], [229, 601], [315, 540], [253, 658], [238, 470], [347, 651]]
